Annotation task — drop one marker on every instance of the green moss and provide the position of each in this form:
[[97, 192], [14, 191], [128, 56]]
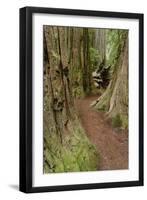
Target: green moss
[[124, 119], [116, 121], [75, 154], [70, 163], [120, 121], [102, 108], [59, 167], [87, 159]]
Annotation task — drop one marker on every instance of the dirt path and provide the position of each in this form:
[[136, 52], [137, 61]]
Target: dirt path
[[110, 143]]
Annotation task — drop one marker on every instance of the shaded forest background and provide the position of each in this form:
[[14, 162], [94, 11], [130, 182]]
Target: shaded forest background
[[81, 62]]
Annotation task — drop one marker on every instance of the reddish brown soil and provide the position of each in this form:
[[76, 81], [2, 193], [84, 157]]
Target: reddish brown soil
[[111, 144]]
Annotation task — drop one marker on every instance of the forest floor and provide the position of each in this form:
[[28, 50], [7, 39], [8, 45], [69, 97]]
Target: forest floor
[[111, 143]]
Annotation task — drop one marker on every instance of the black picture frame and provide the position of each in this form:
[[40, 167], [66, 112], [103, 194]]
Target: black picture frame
[[26, 96]]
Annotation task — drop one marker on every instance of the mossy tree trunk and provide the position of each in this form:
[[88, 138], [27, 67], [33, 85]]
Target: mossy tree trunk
[[115, 99], [66, 147], [119, 98]]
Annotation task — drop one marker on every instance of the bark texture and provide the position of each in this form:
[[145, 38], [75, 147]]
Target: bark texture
[[66, 147], [115, 99]]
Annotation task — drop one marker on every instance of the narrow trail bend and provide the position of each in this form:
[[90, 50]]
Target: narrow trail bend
[[110, 143]]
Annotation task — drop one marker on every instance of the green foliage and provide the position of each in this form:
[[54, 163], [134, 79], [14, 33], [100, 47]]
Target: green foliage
[[115, 43], [78, 92], [94, 57]]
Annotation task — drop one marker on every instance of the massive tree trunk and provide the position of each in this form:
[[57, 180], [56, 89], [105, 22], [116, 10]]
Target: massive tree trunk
[[64, 137], [100, 44], [86, 67], [115, 99], [119, 98], [57, 98]]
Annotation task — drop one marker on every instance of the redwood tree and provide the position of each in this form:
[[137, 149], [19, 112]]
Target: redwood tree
[[115, 99]]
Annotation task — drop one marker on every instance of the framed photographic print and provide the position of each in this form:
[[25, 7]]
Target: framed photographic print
[[81, 99]]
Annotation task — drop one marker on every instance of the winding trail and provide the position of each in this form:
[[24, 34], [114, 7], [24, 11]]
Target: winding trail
[[112, 144]]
